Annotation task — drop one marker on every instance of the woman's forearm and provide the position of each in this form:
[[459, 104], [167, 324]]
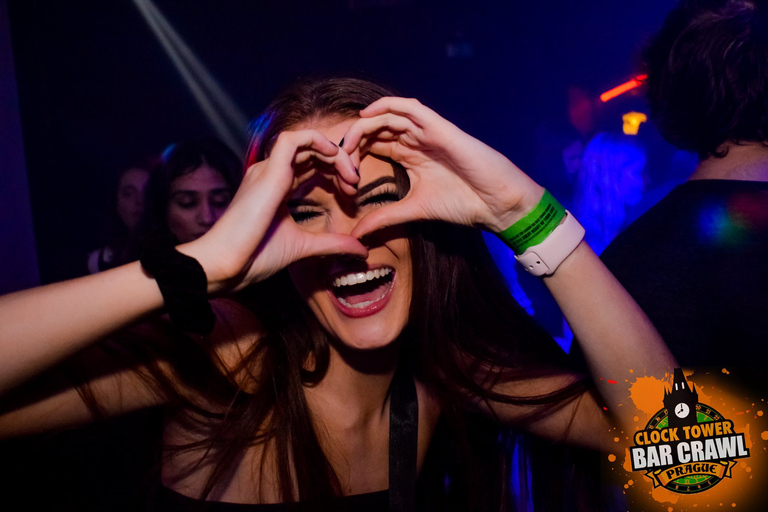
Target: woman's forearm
[[42, 326], [619, 342]]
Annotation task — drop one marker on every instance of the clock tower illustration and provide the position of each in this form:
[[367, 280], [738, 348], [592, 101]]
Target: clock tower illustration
[[681, 401]]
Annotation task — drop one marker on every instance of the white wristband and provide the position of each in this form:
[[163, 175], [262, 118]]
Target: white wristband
[[543, 259]]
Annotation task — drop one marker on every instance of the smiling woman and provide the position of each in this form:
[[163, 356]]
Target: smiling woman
[[363, 303], [363, 335]]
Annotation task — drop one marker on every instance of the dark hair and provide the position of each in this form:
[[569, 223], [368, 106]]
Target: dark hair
[[307, 100], [116, 237], [180, 159], [708, 75], [465, 333]]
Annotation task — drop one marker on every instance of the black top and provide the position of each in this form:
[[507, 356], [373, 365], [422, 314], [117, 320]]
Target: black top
[[171, 501], [403, 441], [697, 263]]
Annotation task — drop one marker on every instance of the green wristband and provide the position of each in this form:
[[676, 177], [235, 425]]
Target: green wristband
[[536, 226]]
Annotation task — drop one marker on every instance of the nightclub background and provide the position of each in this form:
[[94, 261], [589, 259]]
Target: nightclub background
[[89, 88], [97, 89]]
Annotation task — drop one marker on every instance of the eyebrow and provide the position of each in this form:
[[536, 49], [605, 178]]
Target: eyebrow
[[375, 183], [183, 193]]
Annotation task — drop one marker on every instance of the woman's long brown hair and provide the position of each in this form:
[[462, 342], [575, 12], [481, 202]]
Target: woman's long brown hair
[[465, 333]]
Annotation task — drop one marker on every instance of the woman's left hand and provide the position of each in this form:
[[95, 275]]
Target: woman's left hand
[[454, 177]]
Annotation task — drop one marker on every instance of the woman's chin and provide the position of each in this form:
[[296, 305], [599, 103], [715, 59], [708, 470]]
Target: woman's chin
[[367, 341], [371, 353], [368, 328]]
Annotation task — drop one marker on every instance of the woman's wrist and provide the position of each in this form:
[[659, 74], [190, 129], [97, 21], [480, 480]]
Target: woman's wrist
[[217, 278], [182, 281], [514, 212], [535, 226], [544, 237]]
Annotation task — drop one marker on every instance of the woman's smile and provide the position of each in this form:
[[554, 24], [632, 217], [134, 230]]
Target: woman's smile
[[362, 303], [363, 293]]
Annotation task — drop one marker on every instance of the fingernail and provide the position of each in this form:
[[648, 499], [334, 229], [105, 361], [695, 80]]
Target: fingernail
[[342, 142]]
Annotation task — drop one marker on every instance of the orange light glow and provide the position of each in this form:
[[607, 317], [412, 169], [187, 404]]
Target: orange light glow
[[631, 123], [621, 89]]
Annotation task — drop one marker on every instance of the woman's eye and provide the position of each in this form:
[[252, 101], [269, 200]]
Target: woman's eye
[[221, 200], [380, 199], [186, 204], [185, 200], [300, 216]]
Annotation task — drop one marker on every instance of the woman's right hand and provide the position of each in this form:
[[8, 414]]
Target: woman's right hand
[[256, 237]]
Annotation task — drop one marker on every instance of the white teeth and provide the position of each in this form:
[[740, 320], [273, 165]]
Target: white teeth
[[361, 277]]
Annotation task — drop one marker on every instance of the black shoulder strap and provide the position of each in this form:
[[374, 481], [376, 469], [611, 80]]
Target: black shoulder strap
[[403, 440]]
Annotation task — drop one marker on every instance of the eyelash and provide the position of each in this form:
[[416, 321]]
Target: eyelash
[[187, 205], [300, 216], [221, 200], [382, 198]]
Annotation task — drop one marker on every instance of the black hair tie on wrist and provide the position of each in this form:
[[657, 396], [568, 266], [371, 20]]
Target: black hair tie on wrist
[[182, 282]]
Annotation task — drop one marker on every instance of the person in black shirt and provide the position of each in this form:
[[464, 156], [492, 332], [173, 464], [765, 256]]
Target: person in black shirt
[[697, 261]]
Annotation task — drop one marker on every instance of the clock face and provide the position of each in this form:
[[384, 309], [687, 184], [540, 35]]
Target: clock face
[[682, 410]]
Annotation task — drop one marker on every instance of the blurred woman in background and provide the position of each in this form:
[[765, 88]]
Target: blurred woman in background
[[122, 220], [190, 188]]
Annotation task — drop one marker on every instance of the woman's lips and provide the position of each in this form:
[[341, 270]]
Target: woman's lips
[[363, 293]]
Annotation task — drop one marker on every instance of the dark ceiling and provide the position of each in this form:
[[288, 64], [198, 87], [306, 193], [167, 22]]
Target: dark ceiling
[[98, 92]]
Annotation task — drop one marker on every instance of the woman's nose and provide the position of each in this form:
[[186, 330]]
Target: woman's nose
[[342, 223], [206, 215]]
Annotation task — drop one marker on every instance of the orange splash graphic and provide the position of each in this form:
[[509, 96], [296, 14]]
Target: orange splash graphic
[[744, 491], [646, 393]]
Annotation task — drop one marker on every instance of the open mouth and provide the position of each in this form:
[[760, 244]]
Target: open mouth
[[362, 293]]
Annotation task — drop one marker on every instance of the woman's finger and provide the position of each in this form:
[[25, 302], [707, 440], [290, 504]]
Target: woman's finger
[[386, 125], [326, 244], [304, 156], [387, 148], [335, 169], [405, 210], [294, 149], [347, 175], [290, 145], [411, 108]]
